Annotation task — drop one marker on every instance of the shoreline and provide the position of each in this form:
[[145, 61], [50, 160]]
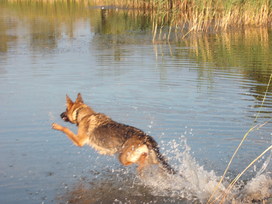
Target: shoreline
[[191, 16]]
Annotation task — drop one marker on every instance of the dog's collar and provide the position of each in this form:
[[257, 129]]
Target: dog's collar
[[76, 112]]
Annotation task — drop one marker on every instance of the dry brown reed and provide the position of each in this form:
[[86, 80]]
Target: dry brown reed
[[223, 195], [194, 15]]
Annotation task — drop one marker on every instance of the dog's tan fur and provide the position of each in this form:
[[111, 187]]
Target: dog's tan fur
[[110, 137]]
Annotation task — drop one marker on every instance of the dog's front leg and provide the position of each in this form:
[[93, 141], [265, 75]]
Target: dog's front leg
[[69, 134]]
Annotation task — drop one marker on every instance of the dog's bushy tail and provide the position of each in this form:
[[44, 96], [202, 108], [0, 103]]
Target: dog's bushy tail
[[151, 143], [163, 162]]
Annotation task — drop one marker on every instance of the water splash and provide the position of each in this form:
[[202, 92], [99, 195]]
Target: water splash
[[192, 184], [196, 184], [51, 116]]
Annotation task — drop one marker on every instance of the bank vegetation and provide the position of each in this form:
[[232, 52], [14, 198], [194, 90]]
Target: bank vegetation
[[190, 15]]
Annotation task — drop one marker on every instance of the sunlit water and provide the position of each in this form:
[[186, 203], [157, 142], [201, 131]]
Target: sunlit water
[[197, 97]]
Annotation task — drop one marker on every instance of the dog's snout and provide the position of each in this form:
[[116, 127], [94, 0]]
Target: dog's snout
[[63, 115]]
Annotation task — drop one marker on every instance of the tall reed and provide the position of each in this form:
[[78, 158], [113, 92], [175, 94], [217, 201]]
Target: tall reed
[[223, 196], [195, 15]]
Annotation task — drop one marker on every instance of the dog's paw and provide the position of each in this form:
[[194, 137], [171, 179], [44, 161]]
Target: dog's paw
[[56, 126]]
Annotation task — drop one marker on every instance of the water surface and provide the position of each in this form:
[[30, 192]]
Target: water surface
[[196, 96]]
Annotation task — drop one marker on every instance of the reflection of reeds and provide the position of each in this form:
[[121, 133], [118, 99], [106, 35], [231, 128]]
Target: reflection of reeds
[[254, 52], [194, 15], [254, 44]]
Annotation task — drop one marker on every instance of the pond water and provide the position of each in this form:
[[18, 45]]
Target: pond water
[[197, 97]]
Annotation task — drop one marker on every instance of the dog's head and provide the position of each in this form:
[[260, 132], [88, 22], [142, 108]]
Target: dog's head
[[72, 109]]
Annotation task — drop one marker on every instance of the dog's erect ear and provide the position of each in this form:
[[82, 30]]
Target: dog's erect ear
[[79, 98], [69, 102]]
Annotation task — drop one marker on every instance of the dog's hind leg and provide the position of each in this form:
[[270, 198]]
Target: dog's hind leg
[[127, 158], [134, 152], [75, 139]]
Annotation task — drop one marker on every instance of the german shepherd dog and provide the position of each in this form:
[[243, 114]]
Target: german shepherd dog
[[109, 137]]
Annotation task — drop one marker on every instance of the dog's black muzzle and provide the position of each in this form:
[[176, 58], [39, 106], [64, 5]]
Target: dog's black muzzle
[[64, 117]]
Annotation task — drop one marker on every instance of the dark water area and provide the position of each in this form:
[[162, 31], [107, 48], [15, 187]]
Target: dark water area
[[197, 96]]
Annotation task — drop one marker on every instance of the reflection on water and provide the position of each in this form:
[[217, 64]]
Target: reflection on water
[[46, 26], [112, 187], [207, 89]]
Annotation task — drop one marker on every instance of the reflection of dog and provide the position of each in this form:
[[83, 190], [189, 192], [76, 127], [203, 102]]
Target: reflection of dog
[[110, 137]]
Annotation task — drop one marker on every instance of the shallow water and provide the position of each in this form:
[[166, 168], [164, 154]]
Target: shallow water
[[197, 97]]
